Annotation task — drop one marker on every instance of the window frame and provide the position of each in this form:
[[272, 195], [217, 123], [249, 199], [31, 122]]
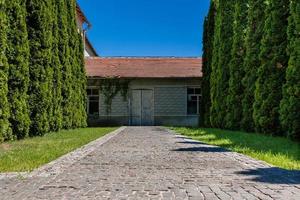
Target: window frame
[[198, 101], [97, 94]]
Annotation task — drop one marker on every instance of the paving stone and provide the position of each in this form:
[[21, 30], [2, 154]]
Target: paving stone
[[152, 163]]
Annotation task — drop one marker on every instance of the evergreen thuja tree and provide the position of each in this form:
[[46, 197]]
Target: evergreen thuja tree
[[271, 73], [82, 82], [18, 59], [5, 131], [78, 72], [39, 23], [255, 24], [236, 71], [65, 57], [72, 31], [208, 37], [57, 114], [220, 62], [290, 104]]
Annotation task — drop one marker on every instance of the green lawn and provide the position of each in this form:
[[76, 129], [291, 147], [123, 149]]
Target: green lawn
[[280, 152], [28, 154]]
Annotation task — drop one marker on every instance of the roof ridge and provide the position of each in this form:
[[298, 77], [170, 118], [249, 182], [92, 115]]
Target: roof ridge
[[144, 57]]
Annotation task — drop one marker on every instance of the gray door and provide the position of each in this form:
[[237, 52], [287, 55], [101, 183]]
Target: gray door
[[142, 107]]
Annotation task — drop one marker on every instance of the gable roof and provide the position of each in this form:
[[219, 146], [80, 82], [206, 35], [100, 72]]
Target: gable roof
[[149, 67], [81, 15]]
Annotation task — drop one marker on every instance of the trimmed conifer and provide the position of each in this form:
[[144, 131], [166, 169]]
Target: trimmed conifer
[[5, 130], [18, 59], [208, 36], [271, 73], [82, 84], [236, 72], [72, 31], [39, 23], [78, 72], [57, 114], [290, 105], [255, 24], [64, 57], [220, 62]]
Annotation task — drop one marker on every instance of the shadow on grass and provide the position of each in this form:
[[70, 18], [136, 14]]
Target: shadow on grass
[[272, 175]]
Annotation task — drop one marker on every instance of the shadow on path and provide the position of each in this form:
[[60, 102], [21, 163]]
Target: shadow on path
[[191, 142], [201, 149], [272, 175]]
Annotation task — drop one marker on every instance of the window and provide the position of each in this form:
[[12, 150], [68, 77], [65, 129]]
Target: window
[[193, 101], [93, 101]]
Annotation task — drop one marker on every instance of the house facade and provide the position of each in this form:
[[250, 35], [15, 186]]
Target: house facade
[[161, 91]]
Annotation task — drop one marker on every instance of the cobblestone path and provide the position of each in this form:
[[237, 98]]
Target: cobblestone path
[[153, 163]]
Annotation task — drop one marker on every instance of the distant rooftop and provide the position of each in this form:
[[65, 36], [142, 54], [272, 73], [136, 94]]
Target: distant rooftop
[[144, 67]]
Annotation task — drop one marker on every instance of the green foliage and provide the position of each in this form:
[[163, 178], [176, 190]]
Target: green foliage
[[78, 92], [110, 87], [290, 105], [236, 71], [65, 57], [208, 34], [18, 59], [281, 152], [255, 24], [56, 121], [42, 74], [5, 130], [271, 73], [30, 153], [220, 62], [39, 23]]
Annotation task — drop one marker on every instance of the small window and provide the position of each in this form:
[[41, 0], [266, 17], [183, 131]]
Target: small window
[[93, 101], [193, 101]]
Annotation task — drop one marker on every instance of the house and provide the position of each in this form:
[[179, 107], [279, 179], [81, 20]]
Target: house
[[83, 26], [161, 91], [156, 90]]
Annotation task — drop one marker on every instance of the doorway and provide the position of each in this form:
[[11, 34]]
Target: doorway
[[142, 107]]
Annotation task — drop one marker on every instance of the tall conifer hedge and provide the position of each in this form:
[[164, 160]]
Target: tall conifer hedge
[[236, 71], [255, 24], [290, 105], [39, 22], [77, 69], [42, 75], [65, 57], [5, 130], [271, 73], [209, 25], [18, 59], [220, 62], [57, 111]]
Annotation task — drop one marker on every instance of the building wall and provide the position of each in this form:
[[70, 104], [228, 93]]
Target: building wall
[[170, 103]]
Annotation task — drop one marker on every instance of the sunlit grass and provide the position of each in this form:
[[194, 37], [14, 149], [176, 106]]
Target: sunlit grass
[[30, 153], [280, 152]]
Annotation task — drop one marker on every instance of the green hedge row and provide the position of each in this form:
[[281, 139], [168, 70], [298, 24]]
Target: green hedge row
[[42, 77], [252, 59]]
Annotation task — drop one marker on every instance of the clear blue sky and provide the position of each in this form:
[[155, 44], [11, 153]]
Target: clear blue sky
[[146, 27]]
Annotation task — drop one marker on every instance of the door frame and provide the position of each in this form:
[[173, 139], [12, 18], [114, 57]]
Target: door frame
[[141, 111]]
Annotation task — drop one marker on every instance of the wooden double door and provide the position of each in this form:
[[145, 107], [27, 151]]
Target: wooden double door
[[142, 111]]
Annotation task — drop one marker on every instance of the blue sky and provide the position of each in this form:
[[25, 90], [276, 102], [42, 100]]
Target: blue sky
[[146, 27]]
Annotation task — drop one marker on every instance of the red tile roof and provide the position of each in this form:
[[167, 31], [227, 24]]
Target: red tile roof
[[144, 67]]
